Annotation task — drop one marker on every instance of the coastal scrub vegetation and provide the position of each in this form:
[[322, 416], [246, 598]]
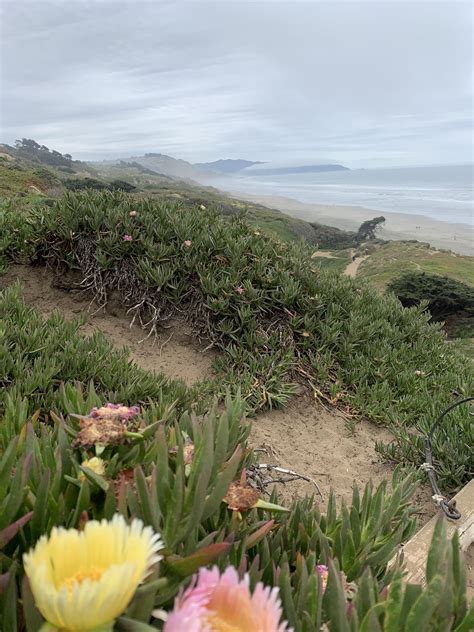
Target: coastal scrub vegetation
[[386, 263], [278, 319], [90, 443]]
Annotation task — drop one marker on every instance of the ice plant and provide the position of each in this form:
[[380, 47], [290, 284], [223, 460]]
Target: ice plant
[[127, 238], [187, 243], [240, 290], [133, 213], [223, 603], [115, 410], [202, 207], [83, 580]]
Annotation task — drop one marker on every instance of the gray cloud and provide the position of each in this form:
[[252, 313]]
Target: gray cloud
[[363, 83]]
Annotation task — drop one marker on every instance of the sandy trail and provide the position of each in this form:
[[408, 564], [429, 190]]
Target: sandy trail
[[351, 269], [455, 237]]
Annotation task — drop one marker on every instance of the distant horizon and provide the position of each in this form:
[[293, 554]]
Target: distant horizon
[[276, 163]]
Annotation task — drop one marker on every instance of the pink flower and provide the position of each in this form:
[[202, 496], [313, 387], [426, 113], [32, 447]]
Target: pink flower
[[215, 602], [323, 572], [240, 290], [133, 213], [127, 238], [187, 243]]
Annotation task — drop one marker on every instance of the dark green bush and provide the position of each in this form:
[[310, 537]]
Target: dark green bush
[[331, 238], [443, 296], [82, 184]]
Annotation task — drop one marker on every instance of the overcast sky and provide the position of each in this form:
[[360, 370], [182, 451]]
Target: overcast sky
[[365, 84]]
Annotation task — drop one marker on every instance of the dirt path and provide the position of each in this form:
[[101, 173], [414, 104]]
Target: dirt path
[[351, 269], [175, 352]]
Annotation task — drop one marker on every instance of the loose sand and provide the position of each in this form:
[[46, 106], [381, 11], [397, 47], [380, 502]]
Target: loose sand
[[351, 269], [456, 237], [315, 441]]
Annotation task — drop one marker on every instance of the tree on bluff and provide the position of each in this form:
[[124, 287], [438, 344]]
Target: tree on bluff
[[368, 228]]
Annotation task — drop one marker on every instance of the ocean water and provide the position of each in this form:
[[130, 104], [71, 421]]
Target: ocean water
[[443, 193]]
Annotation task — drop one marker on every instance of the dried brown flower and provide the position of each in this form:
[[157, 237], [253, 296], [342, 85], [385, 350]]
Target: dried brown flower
[[241, 497]]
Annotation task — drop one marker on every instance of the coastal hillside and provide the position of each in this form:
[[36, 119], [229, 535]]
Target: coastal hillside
[[227, 166], [236, 317], [177, 455], [162, 164], [35, 173]]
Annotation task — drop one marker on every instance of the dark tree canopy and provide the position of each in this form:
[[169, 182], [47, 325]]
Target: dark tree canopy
[[445, 296], [40, 153], [368, 228]]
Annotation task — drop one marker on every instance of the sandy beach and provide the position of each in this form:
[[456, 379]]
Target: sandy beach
[[456, 237]]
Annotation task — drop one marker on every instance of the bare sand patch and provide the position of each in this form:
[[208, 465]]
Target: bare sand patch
[[324, 254], [314, 441], [175, 352]]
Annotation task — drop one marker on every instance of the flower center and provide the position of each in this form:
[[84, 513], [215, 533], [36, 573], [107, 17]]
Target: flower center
[[94, 574], [218, 624]]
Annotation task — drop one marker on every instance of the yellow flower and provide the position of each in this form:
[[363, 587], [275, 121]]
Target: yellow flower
[[95, 464], [83, 580]]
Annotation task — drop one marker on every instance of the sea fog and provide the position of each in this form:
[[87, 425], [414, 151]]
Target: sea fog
[[443, 193]]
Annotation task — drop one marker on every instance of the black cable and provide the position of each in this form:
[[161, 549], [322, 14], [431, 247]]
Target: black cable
[[449, 507]]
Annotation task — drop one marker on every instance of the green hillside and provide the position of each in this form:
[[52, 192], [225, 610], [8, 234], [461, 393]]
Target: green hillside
[[392, 258]]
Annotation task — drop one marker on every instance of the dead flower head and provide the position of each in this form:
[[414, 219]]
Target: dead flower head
[[241, 497], [106, 425]]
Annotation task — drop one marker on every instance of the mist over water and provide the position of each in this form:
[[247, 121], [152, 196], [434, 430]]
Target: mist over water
[[444, 193]]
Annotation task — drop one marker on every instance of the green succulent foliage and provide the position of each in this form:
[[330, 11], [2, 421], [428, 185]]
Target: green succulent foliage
[[276, 316], [17, 229], [41, 359], [42, 484], [362, 535]]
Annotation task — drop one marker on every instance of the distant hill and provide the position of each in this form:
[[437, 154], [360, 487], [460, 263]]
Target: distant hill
[[273, 171], [161, 164], [226, 166]]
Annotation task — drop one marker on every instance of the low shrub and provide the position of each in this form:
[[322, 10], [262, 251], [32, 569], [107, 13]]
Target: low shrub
[[442, 296]]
